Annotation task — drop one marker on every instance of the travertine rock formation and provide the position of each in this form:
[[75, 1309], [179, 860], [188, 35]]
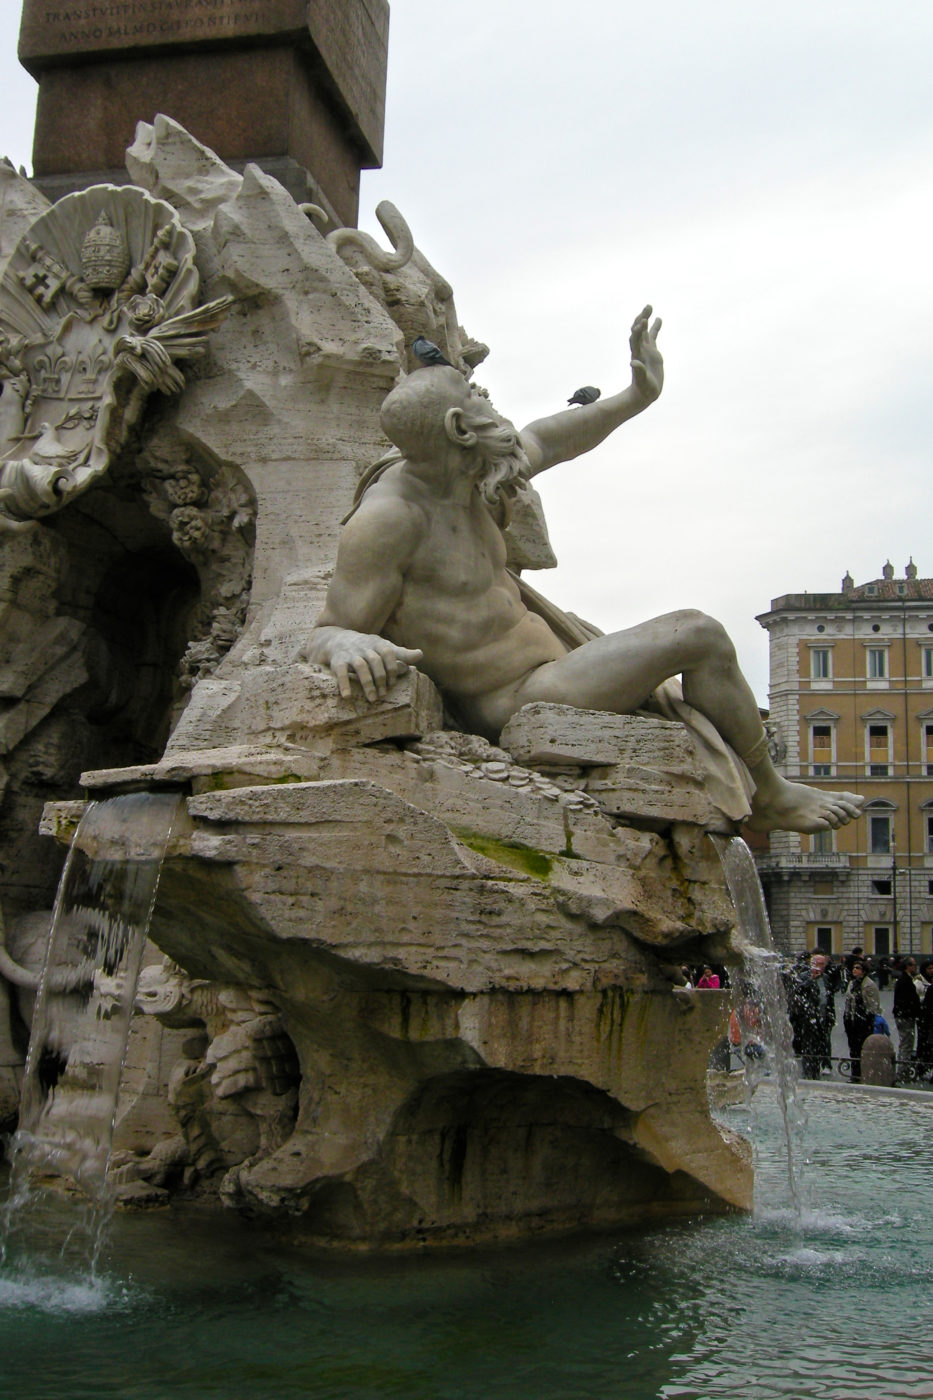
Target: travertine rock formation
[[463, 951]]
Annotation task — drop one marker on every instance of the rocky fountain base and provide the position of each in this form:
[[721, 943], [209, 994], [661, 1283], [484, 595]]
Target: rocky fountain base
[[427, 989]]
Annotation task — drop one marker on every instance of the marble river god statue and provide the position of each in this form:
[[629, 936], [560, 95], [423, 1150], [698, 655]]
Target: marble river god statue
[[421, 580], [438, 858]]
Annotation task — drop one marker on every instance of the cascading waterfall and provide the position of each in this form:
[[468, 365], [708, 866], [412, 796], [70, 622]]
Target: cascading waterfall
[[84, 1004], [763, 970]]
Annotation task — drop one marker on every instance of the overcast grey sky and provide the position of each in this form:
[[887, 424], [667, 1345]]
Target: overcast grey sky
[[764, 176]]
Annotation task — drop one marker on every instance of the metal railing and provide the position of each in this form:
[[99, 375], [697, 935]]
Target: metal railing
[[804, 860]]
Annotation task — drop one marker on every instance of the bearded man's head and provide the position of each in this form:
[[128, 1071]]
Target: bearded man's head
[[435, 407]]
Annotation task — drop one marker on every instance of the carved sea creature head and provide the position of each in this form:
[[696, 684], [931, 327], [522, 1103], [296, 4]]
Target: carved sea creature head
[[436, 407], [162, 990]]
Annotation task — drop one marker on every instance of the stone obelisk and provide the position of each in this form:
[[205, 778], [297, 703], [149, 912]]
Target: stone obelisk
[[298, 86]]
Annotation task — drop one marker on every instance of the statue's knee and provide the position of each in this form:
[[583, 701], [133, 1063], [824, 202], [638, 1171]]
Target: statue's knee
[[710, 638]]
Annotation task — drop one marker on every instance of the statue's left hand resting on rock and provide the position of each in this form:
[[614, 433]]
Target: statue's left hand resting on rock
[[421, 580]]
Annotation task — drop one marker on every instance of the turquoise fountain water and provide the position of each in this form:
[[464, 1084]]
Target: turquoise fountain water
[[822, 1292], [831, 1303]]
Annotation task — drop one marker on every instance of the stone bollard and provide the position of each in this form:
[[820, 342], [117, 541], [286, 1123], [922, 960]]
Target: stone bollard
[[878, 1060]]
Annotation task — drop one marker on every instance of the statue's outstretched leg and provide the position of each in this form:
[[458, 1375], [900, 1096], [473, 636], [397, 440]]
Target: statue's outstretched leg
[[618, 673]]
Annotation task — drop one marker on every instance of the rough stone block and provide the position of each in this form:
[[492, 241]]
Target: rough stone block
[[559, 734], [166, 160], [21, 203], [641, 769], [648, 795], [300, 706], [60, 820], [348, 825]]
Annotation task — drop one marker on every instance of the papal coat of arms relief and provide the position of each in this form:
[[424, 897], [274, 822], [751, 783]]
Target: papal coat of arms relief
[[98, 303]]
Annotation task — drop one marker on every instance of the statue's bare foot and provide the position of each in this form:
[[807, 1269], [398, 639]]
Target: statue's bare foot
[[779, 805]]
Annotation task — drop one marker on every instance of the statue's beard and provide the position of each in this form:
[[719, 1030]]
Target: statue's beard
[[503, 463]]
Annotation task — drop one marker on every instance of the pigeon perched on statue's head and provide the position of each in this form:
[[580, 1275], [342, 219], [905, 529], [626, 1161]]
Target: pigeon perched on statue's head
[[427, 352], [588, 394]]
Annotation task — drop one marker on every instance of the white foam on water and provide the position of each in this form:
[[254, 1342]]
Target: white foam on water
[[56, 1295], [813, 1222], [810, 1259]]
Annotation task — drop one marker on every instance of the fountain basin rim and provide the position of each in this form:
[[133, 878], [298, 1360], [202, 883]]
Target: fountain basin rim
[[815, 1086]]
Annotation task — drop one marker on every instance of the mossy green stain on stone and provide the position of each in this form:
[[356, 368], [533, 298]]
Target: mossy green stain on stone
[[525, 859], [228, 782]]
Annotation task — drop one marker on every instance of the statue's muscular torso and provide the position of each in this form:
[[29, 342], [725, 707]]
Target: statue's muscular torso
[[456, 600]]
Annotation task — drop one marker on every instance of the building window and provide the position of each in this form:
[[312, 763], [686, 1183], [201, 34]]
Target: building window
[[879, 834], [821, 750], [930, 842], [824, 938], [882, 887], [877, 664], [927, 667], [821, 666], [881, 940], [878, 756], [822, 843], [928, 750]]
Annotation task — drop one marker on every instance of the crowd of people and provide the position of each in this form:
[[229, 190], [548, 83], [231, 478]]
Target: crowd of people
[[813, 983]]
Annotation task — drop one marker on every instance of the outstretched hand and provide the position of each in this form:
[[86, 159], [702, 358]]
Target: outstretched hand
[[647, 362], [373, 661]]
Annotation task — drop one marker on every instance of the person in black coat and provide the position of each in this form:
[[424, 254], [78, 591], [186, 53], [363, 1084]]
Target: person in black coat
[[862, 1005], [906, 1010], [925, 1025], [813, 1015]]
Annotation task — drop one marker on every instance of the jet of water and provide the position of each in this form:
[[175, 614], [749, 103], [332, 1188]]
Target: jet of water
[[763, 970]]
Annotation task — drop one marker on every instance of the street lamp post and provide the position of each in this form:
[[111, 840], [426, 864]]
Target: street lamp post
[[897, 947]]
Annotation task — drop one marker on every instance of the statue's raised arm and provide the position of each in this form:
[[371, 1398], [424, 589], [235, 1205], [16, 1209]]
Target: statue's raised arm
[[569, 434]]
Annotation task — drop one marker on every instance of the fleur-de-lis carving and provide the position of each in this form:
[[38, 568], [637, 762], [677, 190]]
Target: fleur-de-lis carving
[[90, 368], [53, 368]]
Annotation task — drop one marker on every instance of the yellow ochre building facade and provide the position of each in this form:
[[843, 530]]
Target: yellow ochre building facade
[[851, 707]]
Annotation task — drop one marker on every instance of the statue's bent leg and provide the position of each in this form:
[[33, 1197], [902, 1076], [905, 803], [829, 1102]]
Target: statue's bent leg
[[619, 672]]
